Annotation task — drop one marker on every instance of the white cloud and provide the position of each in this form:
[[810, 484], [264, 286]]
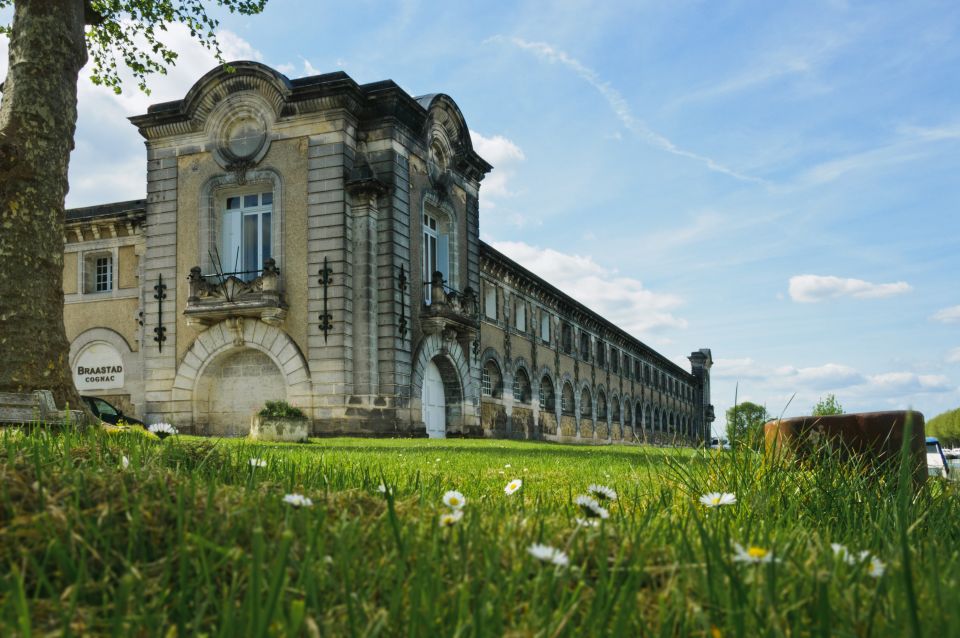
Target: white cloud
[[309, 69], [829, 376], [744, 368], [814, 288], [618, 104], [622, 300], [947, 315], [953, 356], [108, 162], [503, 154], [909, 383]]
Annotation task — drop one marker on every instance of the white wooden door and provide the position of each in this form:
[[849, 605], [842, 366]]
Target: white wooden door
[[434, 405]]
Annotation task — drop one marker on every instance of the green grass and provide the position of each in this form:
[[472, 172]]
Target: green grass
[[190, 539]]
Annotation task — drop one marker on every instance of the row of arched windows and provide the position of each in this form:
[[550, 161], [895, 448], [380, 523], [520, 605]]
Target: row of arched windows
[[654, 418]]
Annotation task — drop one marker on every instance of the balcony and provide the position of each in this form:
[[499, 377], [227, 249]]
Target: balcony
[[452, 314], [220, 296]]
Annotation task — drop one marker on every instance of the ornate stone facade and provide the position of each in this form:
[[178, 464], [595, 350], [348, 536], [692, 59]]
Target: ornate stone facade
[[317, 241]]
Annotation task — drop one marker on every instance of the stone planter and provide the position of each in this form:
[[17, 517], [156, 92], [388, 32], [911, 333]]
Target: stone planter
[[289, 429], [875, 436]]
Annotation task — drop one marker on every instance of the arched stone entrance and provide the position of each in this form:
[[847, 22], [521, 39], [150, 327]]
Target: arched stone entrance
[[230, 350], [234, 386], [433, 403], [460, 391]]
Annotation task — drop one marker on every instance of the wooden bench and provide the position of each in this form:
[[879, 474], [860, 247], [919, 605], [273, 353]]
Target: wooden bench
[[35, 407]]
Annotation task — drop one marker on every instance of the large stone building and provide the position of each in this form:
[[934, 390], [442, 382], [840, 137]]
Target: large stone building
[[317, 241]]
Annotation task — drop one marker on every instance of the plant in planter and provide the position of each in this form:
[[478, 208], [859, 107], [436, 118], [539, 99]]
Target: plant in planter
[[279, 421]]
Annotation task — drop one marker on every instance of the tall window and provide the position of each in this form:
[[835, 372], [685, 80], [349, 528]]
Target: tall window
[[246, 240], [104, 274], [566, 338], [545, 326], [520, 313], [602, 406], [601, 354], [586, 407], [490, 301], [436, 253], [615, 360], [584, 346]]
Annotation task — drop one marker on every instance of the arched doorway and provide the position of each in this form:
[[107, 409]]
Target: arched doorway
[[234, 386], [434, 402]]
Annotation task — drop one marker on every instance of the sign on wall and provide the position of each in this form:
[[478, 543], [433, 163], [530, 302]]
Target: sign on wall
[[98, 367]]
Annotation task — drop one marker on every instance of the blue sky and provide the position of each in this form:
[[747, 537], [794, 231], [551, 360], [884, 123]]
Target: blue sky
[[775, 181]]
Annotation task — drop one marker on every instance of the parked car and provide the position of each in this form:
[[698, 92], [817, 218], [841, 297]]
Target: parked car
[[108, 413], [719, 444], [936, 459]]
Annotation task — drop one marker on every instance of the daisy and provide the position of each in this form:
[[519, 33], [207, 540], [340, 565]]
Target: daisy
[[752, 554], [507, 466], [258, 463], [587, 522], [297, 500], [876, 567], [716, 499], [548, 554], [602, 492], [841, 552], [513, 486], [382, 488], [454, 500], [162, 430], [451, 518], [590, 507], [124, 462]]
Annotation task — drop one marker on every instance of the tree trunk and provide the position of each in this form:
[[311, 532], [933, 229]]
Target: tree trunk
[[38, 117]]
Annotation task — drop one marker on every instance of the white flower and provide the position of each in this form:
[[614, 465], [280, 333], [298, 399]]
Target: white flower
[[436, 460], [124, 462], [842, 553], [454, 500], [382, 488], [590, 507], [602, 492], [716, 499], [258, 463], [753, 554], [513, 486], [507, 465], [548, 554], [587, 522], [451, 518], [876, 567], [297, 500], [162, 428]]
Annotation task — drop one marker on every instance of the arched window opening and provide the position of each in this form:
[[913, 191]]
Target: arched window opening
[[586, 405], [601, 405], [566, 399], [627, 416], [547, 398], [521, 386], [491, 380], [615, 409]]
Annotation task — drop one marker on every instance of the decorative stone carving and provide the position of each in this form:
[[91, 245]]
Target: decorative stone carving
[[214, 298]]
